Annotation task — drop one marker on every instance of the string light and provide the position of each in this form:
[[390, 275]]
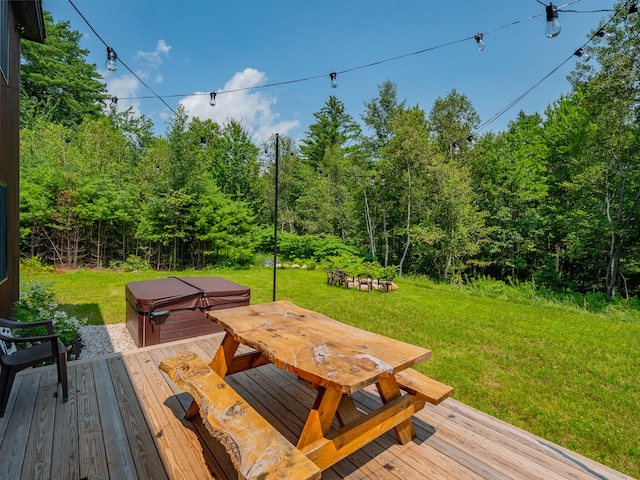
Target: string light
[[582, 54], [632, 17], [124, 64], [602, 33], [111, 61], [114, 101], [479, 41], [212, 99], [551, 11], [553, 27], [334, 82], [379, 62]]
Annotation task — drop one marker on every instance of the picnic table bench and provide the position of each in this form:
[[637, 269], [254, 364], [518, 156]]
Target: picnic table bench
[[256, 448]]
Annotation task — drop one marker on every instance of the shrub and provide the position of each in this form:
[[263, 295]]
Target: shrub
[[37, 302], [309, 247], [133, 263], [34, 266], [355, 265]]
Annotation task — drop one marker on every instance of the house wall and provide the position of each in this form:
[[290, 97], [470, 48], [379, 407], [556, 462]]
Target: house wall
[[10, 167]]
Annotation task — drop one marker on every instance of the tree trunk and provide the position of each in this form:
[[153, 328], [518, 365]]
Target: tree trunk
[[367, 219], [386, 238], [406, 247]]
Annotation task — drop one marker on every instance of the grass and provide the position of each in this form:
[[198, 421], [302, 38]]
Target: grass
[[562, 373]]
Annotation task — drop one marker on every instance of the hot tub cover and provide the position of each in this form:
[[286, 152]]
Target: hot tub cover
[[175, 293]]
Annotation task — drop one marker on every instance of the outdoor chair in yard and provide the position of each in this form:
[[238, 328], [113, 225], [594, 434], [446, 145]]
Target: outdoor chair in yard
[[46, 347], [365, 281]]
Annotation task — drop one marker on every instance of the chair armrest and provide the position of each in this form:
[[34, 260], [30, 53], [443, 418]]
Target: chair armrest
[[28, 339], [13, 324]]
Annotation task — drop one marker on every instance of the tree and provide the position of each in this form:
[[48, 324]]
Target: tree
[[378, 114], [509, 175], [331, 150], [333, 128], [612, 99], [405, 160], [57, 83], [451, 120]]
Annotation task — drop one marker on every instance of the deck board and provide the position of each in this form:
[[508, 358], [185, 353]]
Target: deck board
[[125, 419]]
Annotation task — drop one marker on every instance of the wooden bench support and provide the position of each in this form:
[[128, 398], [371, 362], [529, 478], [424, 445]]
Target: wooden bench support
[[328, 450], [256, 448], [416, 383]]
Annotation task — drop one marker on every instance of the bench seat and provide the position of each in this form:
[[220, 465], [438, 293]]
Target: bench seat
[[256, 448], [416, 383]]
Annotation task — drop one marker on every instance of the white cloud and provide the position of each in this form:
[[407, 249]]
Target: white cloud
[[156, 57], [236, 101], [159, 78]]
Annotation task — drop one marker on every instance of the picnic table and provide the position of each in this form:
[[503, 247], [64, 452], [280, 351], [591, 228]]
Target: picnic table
[[337, 359]]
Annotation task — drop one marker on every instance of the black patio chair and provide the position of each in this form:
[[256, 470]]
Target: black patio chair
[[46, 347]]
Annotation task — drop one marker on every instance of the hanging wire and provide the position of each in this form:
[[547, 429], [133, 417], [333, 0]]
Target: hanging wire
[[155, 95], [359, 67], [486, 123], [371, 64]]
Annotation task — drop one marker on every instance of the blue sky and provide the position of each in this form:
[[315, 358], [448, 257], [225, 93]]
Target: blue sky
[[190, 47]]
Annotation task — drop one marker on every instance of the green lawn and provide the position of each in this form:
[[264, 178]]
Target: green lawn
[[567, 375]]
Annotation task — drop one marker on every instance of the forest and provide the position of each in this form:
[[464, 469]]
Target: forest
[[552, 200]]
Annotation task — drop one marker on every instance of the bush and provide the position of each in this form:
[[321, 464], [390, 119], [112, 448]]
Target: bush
[[34, 266], [354, 265], [37, 302], [133, 263], [309, 247]]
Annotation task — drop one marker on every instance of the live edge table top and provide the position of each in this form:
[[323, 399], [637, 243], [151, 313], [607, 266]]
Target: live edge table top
[[317, 348]]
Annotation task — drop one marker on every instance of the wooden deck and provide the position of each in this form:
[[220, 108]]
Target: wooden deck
[[125, 420]]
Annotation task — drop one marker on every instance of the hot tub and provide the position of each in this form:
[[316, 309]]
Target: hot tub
[[174, 308]]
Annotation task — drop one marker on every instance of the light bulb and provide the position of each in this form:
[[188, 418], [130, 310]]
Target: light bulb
[[602, 33], [111, 62], [212, 99], [581, 54], [456, 147], [334, 82], [552, 28], [632, 18], [480, 42]]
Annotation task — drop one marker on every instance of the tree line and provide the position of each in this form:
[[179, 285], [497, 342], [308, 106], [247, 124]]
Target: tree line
[[552, 200]]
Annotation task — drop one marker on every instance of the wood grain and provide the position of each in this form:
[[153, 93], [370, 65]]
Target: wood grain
[[454, 441], [317, 348], [257, 450], [416, 383]]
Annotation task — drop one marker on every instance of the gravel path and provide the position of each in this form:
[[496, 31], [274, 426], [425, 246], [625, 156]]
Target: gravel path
[[103, 339]]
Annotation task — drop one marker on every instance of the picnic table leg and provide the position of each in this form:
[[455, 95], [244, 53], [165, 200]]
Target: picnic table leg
[[224, 355], [219, 364], [347, 411], [320, 417], [389, 390]]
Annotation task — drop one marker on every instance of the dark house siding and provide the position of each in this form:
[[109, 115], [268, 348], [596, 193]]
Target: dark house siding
[[29, 15]]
